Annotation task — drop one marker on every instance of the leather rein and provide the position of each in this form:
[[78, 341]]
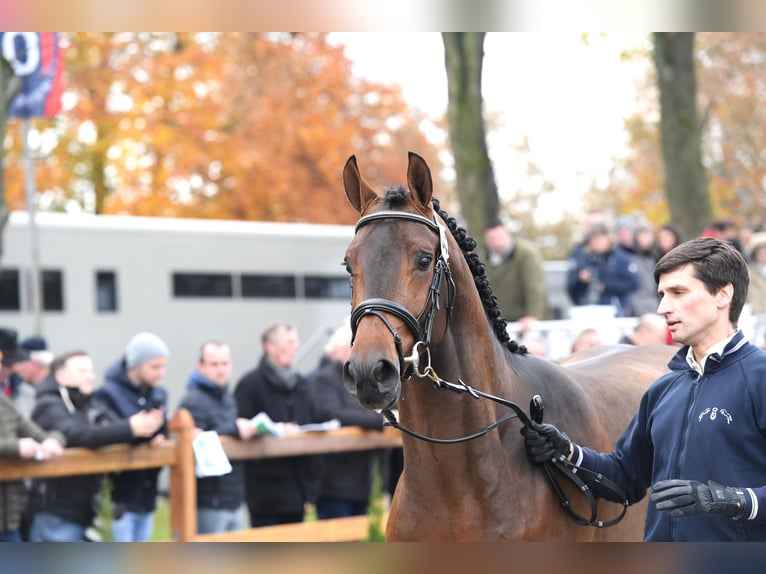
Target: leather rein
[[410, 365]]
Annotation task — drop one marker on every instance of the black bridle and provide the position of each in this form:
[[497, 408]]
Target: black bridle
[[409, 365]]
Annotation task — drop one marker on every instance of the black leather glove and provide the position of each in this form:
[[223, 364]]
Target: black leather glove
[[689, 497], [544, 442]]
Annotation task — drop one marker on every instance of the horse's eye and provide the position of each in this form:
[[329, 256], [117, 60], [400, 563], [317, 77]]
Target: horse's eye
[[347, 267], [424, 262]]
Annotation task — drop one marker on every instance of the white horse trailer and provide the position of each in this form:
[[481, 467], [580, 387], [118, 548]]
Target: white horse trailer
[[105, 278]]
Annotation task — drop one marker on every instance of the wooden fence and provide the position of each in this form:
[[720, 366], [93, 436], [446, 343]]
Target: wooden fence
[[177, 454]]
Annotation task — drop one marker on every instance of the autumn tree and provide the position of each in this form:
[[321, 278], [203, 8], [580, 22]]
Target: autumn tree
[[220, 125], [730, 70]]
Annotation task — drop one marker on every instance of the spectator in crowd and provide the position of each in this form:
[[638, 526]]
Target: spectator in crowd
[[650, 330], [593, 218], [756, 294], [32, 371], [588, 337], [602, 274], [35, 370], [697, 437], [515, 272], [624, 233], [725, 230], [20, 438], [644, 299], [211, 403], [346, 478], [278, 490], [62, 508], [131, 385], [21, 394], [668, 236]]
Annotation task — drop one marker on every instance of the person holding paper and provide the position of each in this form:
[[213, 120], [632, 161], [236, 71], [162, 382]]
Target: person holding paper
[[278, 489], [211, 404]]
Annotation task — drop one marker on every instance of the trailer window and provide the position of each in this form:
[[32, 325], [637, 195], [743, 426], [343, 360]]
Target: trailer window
[[53, 289], [106, 291], [268, 286], [10, 294], [317, 287], [202, 285]]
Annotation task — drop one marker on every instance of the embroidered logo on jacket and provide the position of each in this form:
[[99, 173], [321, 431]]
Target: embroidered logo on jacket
[[713, 413]]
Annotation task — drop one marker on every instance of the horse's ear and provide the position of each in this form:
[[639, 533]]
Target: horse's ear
[[419, 179], [358, 192]]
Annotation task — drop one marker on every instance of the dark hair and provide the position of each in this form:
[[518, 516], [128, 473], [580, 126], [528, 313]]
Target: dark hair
[[716, 263], [60, 362]]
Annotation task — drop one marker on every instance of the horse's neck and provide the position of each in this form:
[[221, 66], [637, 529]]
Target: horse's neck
[[468, 352]]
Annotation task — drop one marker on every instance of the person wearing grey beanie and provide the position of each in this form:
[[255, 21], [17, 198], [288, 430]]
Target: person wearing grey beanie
[[144, 347], [132, 384]]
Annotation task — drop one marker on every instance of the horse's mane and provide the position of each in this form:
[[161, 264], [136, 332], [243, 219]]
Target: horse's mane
[[396, 197]]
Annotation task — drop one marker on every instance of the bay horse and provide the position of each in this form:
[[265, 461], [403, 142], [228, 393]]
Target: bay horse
[[424, 319]]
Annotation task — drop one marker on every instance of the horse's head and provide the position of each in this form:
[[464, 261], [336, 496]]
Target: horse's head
[[399, 270]]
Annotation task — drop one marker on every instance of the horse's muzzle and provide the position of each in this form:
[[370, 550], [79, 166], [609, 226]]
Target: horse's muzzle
[[374, 383]]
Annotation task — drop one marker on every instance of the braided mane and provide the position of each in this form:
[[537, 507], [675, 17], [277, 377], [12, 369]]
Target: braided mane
[[396, 196]]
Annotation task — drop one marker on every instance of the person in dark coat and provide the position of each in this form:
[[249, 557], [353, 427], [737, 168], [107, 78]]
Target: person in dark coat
[[132, 384], [278, 489], [211, 404], [62, 508], [346, 478]]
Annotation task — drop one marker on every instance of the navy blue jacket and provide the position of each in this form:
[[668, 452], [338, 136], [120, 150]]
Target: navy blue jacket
[[697, 427], [615, 270], [213, 408], [135, 490]]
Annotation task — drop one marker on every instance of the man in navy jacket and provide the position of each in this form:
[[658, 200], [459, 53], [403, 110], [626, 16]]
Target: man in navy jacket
[[699, 436], [211, 403]]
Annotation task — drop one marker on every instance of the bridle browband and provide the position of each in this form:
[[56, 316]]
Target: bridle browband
[[409, 364]]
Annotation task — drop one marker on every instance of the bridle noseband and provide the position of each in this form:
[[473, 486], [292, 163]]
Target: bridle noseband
[[378, 306]]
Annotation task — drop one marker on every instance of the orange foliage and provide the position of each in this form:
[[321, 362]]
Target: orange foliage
[[232, 125]]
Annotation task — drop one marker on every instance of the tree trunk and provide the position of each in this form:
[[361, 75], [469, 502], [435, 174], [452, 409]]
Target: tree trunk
[[686, 185], [475, 179]]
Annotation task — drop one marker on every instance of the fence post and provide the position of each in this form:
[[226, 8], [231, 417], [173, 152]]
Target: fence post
[[183, 480]]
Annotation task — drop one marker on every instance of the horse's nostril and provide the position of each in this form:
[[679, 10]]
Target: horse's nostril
[[384, 370]]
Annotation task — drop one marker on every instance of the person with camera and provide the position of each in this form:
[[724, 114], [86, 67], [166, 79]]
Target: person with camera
[[699, 435], [131, 385], [63, 507], [601, 274]]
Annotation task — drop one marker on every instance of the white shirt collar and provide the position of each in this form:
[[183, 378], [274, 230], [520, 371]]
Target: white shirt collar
[[717, 348]]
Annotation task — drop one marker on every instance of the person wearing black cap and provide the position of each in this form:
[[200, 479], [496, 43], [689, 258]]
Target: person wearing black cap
[[13, 386], [132, 384]]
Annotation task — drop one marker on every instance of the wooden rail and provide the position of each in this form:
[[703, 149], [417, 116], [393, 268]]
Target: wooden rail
[[177, 454]]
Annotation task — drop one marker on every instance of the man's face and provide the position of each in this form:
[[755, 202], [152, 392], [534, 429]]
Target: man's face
[[151, 372], [282, 349], [215, 364], [77, 372], [497, 239], [690, 311], [31, 371]]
